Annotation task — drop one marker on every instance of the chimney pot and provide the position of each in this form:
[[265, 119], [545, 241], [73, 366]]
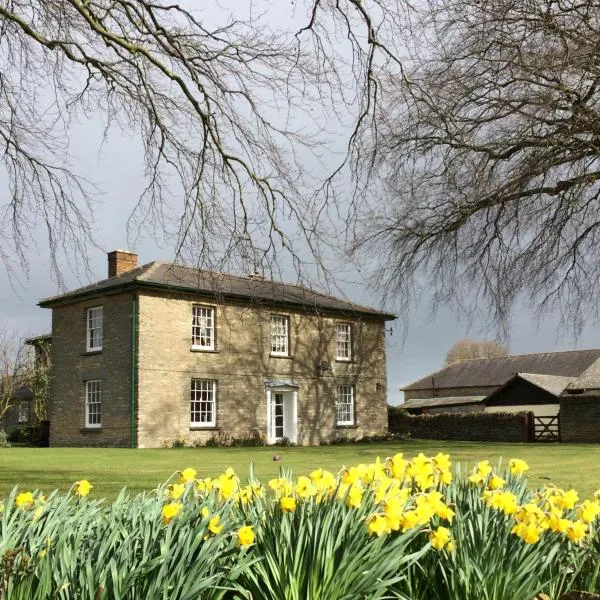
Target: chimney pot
[[121, 261]]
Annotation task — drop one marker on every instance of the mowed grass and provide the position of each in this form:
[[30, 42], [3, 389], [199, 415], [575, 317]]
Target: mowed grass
[[110, 469]]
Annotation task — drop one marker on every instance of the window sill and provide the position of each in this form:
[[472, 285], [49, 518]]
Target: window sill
[[345, 360], [204, 350], [288, 356], [90, 430], [346, 426], [91, 352], [208, 428]]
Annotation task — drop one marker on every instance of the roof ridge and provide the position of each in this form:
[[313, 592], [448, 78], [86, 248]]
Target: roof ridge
[[524, 354], [241, 277]]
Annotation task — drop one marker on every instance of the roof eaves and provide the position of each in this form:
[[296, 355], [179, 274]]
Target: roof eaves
[[139, 282]]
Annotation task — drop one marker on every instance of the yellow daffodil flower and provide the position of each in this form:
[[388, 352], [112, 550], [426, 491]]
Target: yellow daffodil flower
[[170, 511], [245, 536], [377, 525], [576, 531], [24, 500], [287, 504], [517, 466], [440, 538], [188, 475]]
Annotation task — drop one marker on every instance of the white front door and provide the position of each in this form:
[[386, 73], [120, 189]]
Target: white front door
[[281, 415]]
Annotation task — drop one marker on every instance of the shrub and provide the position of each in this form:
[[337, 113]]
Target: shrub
[[4, 442], [19, 435]]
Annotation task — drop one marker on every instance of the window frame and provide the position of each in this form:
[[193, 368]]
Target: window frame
[[88, 392], [203, 424], [23, 409], [212, 329], [352, 404], [348, 341], [285, 319], [89, 320]]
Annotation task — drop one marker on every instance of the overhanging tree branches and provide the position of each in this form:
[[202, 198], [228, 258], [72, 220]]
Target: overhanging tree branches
[[490, 155], [225, 114]]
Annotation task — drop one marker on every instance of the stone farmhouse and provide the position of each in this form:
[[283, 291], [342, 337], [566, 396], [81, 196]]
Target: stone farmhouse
[[548, 384], [162, 352]]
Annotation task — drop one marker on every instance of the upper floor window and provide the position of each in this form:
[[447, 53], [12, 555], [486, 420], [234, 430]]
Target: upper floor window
[[203, 403], [343, 341], [203, 328], [93, 403], [345, 405], [280, 335], [94, 329], [23, 411]]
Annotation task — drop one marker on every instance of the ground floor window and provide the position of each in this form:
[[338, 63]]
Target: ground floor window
[[23, 411], [93, 403], [203, 403], [345, 405]]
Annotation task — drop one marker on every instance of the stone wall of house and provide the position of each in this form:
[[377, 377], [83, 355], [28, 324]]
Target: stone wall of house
[[241, 364], [73, 366], [580, 418], [449, 392], [476, 427]]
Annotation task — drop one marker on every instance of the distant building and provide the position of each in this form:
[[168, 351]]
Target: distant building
[[547, 384]]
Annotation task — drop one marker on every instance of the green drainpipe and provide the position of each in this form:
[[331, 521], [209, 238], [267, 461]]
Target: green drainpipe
[[133, 371]]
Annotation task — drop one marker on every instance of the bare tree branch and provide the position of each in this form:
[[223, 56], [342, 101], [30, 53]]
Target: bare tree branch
[[227, 115], [489, 152]]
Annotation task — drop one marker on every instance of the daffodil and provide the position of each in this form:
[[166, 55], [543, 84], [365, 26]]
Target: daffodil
[[440, 538], [287, 504], [495, 482], [245, 536], [576, 531], [377, 525], [175, 491], [188, 475], [354, 497], [82, 488], [528, 532], [517, 466], [588, 511], [214, 525], [24, 500], [170, 511]]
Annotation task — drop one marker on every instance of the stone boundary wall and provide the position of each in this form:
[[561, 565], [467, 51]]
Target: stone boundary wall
[[472, 427]]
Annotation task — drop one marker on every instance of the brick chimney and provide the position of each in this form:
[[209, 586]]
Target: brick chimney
[[121, 261]]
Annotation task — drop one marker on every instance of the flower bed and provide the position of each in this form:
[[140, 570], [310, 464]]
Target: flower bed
[[410, 529]]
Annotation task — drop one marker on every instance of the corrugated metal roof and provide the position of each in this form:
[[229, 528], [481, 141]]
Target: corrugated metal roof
[[182, 278], [483, 372], [443, 401]]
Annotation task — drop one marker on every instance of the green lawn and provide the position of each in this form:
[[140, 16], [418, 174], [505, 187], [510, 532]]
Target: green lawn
[[111, 469]]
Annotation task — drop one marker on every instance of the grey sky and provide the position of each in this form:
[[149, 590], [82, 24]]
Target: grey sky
[[117, 168]]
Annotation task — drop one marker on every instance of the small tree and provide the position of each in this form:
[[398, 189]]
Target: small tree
[[13, 368], [37, 375], [467, 348]]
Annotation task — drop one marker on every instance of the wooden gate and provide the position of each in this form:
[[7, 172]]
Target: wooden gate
[[546, 429]]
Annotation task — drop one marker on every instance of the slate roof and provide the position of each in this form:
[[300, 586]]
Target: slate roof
[[166, 276], [588, 380], [484, 372], [554, 384], [442, 401]]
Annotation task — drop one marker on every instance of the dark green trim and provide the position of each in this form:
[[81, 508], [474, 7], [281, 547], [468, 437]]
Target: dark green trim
[[133, 407]]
